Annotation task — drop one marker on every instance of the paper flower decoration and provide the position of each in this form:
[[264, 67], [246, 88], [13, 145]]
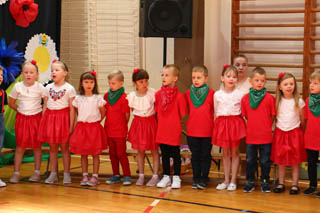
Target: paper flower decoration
[[42, 49], [10, 60], [23, 11], [3, 1]]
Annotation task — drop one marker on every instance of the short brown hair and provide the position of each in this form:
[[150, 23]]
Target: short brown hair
[[258, 70], [315, 75], [118, 74], [175, 69], [202, 69]]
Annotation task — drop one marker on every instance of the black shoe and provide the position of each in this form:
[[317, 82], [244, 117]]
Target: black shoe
[[294, 190], [309, 191], [279, 189], [265, 186], [194, 185], [249, 187], [202, 185], [318, 194]]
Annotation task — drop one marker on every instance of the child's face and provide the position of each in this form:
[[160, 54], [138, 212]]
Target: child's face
[[58, 74], [242, 66], [29, 74], [258, 81], [142, 85], [229, 79], [1, 77], [314, 86], [168, 78], [88, 85], [287, 87], [115, 84], [198, 79]]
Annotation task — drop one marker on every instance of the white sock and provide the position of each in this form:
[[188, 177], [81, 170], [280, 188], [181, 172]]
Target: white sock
[[154, 175], [141, 175], [85, 174], [95, 175], [17, 173], [37, 172]]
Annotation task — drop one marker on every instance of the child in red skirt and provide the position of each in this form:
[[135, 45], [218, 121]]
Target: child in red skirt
[[3, 101], [142, 133], [229, 126], [89, 137], [116, 127], [288, 146], [311, 135], [29, 94], [171, 108], [57, 122], [200, 125]]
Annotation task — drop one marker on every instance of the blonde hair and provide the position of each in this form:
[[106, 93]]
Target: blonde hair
[[63, 66], [315, 75], [117, 74], [175, 69], [1, 68], [228, 69], [202, 69], [295, 94], [29, 63]]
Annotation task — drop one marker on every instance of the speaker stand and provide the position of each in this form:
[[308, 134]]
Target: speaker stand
[[164, 51]]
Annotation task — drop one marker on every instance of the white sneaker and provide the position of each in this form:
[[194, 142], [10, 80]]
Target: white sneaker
[[232, 187], [222, 186], [164, 182], [176, 182], [2, 184]]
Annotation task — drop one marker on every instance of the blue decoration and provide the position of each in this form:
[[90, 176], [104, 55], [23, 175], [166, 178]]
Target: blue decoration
[[10, 60]]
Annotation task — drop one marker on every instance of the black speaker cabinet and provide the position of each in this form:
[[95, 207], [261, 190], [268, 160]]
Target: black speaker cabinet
[[165, 18]]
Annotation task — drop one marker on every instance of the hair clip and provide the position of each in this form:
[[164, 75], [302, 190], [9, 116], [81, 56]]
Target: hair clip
[[225, 66], [94, 73], [54, 61], [280, 75], [136, 70], [34, 62]]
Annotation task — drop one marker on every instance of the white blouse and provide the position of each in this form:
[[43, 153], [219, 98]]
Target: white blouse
[[142, 105], [88, 107], [29, 97], [244, 86], [58, 97], [227, 103], [288, 118]]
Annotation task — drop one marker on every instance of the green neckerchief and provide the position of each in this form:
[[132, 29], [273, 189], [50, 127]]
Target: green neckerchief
[[198, 95], [255, 97], [113, 96], [314, 104]]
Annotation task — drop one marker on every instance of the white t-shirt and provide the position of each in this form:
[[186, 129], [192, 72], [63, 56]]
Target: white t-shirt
[[58, 97], [227, 103], [142, 106], [29, 98], [88, 107], [244, 86], [287, 118]]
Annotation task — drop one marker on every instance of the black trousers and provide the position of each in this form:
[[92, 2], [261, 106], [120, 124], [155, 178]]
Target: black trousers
[[312, 167], [168, 151], [201, 158]]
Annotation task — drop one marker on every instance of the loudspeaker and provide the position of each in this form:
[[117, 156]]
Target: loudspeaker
[[165, 18]]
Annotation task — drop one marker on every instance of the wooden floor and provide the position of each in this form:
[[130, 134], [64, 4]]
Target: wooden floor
[[39, 197]]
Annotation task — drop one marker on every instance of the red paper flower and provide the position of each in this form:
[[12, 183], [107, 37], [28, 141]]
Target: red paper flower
[[54, 60], [136, 70], [280, 75], [225, 66], [23, 11], [94, 73], [34, 62]]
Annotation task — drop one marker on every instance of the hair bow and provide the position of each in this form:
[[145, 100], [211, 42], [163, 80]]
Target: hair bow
[[54, 61], [225, 66], [94, 73], [34, 62], [136, 70], [280, 75]]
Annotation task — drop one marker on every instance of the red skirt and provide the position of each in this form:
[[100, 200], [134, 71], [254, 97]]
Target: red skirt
[[54, 126], [88, 139], [142, 133], [288, 147], [27, 129], [228, 130]]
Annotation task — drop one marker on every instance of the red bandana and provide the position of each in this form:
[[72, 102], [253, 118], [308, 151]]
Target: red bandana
[[167, 96]]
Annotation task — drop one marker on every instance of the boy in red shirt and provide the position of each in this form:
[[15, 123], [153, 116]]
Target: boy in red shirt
[[200, 126], [116, 126], [258, 107], [171, 107]]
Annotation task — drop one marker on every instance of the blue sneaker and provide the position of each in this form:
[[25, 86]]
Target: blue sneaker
[[265, 186], [114, 179], [127, 181], [249, 187]]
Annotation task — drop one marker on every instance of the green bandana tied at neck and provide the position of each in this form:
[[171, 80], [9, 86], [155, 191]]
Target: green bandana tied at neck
[[255, 97], [113, 96], [314, 104], [198, 95]]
